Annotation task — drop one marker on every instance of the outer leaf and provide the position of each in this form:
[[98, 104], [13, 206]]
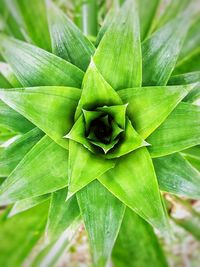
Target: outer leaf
[[137, 245], [12, 154], [36, 67], [26, 204], [7, 72], [56, 118], [188, 78], [176, 175], [134, 182], [84, 167], [61, 214], [123, 35], [96, 91], [68, 42], [147, 15], [20, 234], [13, 120], [36, 29], [149, 107], [179, 131], [102, 214], [161, 50], [43, 170], [193, 156]]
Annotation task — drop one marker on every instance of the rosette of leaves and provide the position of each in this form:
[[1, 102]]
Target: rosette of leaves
[[99, 130]]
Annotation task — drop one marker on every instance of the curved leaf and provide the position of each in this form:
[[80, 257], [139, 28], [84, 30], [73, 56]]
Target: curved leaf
[[56, 118], [177, 176], [42, 170], [123, 35], [68, 41], [7, 72], [193, 156], [179, 131], [36, 67], [102, 214], [134, 182]]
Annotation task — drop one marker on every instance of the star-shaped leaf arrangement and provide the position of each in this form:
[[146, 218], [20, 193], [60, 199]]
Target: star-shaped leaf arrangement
[[99, 130]]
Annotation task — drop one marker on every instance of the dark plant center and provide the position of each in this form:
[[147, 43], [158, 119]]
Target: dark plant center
[[102, 129]]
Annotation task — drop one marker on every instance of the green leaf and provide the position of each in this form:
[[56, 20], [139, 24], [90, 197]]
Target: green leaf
[[84, 166], [102, 214], [42, 170], [96, 91], [147, 15], [25, 204], [20, 234], [188, 78], [161, 50], [179, 131], [134, 182], [13, 154], [12, 120], [56, 118], [61, 214], [123, 35], [7, 72], [149, 107], [193, 156], [177, 176], [137, 245], [68, 42], [36, 67], [3, 82], [36, 29]]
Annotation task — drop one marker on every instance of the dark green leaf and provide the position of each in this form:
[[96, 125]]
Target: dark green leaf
[[102, 214], [68, 42], [36, 67], [137, 245]]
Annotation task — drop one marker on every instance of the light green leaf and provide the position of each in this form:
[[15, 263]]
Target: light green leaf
[[3, 82], [12, 120], [179, 131], [7, 72], [193, 156], [134, 182], [123, 35], [36, 67], [190, 64], [68, 42], [61, 214], [149, 107], [36, 29], [96, 91], [20, 234], [25, 204], [147, 15], [177, 176], [42, 170], [188, 78], [102, 214], [54, 118], [84, 166], [12, 155], [137, 245], [161, 50]]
